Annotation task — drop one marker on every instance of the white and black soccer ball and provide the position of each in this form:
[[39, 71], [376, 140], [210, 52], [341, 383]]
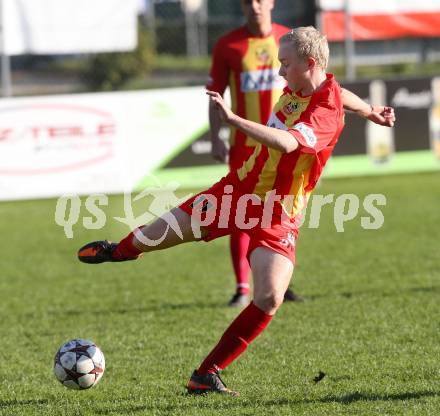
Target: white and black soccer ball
[[79, 364]]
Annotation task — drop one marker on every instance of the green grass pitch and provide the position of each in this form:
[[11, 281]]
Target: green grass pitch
[[370, 320]]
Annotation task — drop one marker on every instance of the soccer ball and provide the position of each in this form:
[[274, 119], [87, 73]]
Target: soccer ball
[[79, 364]]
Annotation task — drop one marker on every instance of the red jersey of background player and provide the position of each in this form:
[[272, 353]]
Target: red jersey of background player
[[249, 65]]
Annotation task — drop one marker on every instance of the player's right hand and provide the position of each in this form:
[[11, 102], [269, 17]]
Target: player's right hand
[[220, 150], [382, 115], [224, 111]]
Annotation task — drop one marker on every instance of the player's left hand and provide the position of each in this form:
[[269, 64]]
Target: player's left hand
[[224, 111], [382, 115]]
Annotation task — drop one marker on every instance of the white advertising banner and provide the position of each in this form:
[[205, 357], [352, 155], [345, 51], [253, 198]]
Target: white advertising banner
[[69, 26], [87, 143]]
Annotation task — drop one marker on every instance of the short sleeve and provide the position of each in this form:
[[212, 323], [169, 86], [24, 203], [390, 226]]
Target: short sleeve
[[219, 73], [319, 124]]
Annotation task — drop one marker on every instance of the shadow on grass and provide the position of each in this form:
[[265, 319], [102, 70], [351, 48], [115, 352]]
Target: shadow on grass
[[233, 403], [154, 307], [371, 397], [11, 403], [382, 293]]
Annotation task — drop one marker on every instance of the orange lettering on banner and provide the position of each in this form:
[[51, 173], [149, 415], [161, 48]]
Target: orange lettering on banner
[[5, 133], [105, 129], [65, 131]]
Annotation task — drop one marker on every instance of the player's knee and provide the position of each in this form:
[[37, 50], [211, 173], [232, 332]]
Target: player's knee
[[269, 302]]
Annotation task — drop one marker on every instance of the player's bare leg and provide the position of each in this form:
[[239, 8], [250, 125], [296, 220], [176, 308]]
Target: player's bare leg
[[171, 229], [272, 273], [271, 264], [275, 266], [161, 234], [239, 243]]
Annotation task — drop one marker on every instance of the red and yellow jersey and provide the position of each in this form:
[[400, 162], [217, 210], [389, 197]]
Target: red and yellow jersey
[[316, 122], [249, 66]]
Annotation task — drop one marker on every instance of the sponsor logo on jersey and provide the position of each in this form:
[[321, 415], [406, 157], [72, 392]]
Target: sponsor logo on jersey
[[275, 122], [261, 80], [307, 133]]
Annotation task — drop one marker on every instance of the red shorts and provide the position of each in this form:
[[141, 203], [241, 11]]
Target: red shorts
[[223, 210]]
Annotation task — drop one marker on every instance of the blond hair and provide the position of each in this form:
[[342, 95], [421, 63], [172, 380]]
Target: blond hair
[[309, 43]]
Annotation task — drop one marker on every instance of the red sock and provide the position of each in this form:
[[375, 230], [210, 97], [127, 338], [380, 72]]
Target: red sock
[[239, 244], [243, 330], [126, 249]]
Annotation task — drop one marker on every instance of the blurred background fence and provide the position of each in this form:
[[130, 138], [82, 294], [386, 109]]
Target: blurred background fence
[[175, 41], [170, 19]]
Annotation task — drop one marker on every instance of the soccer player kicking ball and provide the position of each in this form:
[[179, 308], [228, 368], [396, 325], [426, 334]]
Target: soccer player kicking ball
[[245, 60], [264, 197]]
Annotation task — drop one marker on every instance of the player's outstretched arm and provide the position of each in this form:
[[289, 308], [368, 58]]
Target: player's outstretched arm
[[271, 137], [377, 114]]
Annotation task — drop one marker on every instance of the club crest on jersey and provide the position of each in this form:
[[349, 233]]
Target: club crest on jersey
[[290, 108], [263, 55]]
